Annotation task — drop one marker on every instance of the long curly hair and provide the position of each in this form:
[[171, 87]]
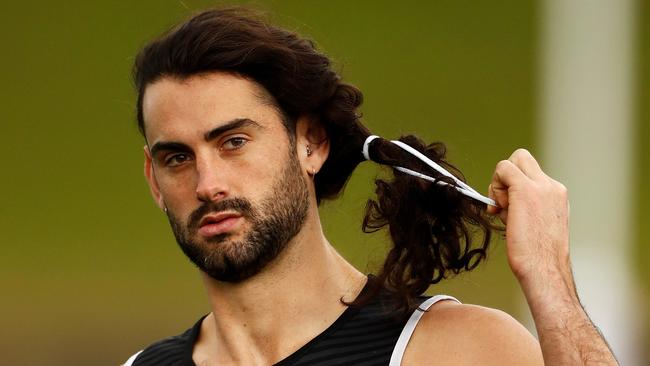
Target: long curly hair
[[433, 227]]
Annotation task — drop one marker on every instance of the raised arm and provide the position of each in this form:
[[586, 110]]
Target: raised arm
[[535, 209]]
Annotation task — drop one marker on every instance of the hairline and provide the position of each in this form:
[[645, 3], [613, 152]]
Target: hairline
[[259, 91]]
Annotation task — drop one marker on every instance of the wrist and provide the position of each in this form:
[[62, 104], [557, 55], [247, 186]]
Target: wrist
[[552, 298], [549, 275], [551, 284]]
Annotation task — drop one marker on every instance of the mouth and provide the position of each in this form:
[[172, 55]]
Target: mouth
[[221, 223]]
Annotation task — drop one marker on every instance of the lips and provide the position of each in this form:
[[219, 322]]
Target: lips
[[216, 224]]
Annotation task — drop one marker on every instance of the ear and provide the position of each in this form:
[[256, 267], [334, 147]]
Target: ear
[[312, 143], [151, 178]]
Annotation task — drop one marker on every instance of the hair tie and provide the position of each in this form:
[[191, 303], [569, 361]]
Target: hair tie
[[365, 146]]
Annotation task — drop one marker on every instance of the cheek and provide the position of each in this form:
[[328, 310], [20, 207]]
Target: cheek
[[262, 163], [249, 176], [178, 190], [254, 178]]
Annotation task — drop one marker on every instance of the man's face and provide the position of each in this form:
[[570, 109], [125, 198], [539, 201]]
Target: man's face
[[220, 161]]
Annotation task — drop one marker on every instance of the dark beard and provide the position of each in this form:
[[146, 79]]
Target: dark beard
[[280, 217]]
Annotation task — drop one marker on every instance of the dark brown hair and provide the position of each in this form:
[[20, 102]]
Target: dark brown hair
[[432, 226]]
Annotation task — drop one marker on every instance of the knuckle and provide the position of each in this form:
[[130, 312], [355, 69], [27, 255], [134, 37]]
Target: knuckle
[[503, 164], [556, 188], [520, 153], [562, 189]]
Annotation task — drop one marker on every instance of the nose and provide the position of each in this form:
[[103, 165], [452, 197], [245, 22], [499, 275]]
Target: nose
[[211, 184]]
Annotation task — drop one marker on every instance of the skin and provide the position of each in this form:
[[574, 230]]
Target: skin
[[267, 317], [535, 209]]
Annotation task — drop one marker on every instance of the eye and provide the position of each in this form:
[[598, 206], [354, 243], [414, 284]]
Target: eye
[[176, 159], [234, 143]]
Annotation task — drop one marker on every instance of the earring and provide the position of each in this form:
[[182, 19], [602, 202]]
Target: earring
[[312, 172], [308, 150], [165, 209]]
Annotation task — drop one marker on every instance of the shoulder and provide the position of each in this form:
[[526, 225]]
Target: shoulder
[[168, 351], [458, 334]]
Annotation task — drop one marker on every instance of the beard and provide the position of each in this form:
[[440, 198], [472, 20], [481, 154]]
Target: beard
[[273, 224]]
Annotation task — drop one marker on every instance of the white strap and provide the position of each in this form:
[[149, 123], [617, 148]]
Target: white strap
[[131, 359], [461, 186], [475, 195], [432, 164], [407, 332]]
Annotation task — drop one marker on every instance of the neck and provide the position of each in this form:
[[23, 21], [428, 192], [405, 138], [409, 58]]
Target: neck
[[267, 317]]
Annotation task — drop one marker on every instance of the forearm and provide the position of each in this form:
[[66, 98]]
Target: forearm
[[566, 334], [535, 209]]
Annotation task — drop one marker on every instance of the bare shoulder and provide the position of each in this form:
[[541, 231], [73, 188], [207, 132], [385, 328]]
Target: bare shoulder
[[463, 334]]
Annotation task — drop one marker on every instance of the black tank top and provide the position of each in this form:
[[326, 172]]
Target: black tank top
[[360, 336]]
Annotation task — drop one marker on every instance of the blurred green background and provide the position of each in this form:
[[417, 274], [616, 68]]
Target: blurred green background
[[89, 270]]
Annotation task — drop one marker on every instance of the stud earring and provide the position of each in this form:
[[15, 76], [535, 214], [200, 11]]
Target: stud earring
[[308, 150]]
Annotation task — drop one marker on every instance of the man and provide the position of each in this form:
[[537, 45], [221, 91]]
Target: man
[[247, 129]]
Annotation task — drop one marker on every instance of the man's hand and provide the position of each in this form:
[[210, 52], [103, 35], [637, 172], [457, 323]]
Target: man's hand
[[535, 210]]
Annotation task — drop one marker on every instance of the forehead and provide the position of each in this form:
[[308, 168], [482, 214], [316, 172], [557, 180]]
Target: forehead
[[185, 108]]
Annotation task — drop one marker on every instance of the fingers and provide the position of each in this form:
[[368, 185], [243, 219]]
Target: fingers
[[500, 196], [520, 168], [506, 174], [503, 216], [525, 161]]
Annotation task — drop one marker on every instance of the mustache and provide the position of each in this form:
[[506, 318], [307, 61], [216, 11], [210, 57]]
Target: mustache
[[242, 206]]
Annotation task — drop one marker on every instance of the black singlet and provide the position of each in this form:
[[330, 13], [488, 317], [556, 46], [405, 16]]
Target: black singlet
[[360, 336]]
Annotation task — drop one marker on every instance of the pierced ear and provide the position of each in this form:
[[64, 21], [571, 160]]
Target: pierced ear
[[312, 143], [151, 178]]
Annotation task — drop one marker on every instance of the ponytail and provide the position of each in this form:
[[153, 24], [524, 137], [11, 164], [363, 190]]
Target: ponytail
[[436, 231]]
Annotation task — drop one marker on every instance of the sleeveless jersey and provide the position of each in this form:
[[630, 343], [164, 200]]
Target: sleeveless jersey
[[367, 336]]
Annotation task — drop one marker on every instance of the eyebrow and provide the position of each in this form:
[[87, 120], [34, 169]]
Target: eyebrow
[[231, 125], [168, 146], [208, 136]]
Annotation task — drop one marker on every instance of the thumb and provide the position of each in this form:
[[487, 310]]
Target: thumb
[[500, 195]]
